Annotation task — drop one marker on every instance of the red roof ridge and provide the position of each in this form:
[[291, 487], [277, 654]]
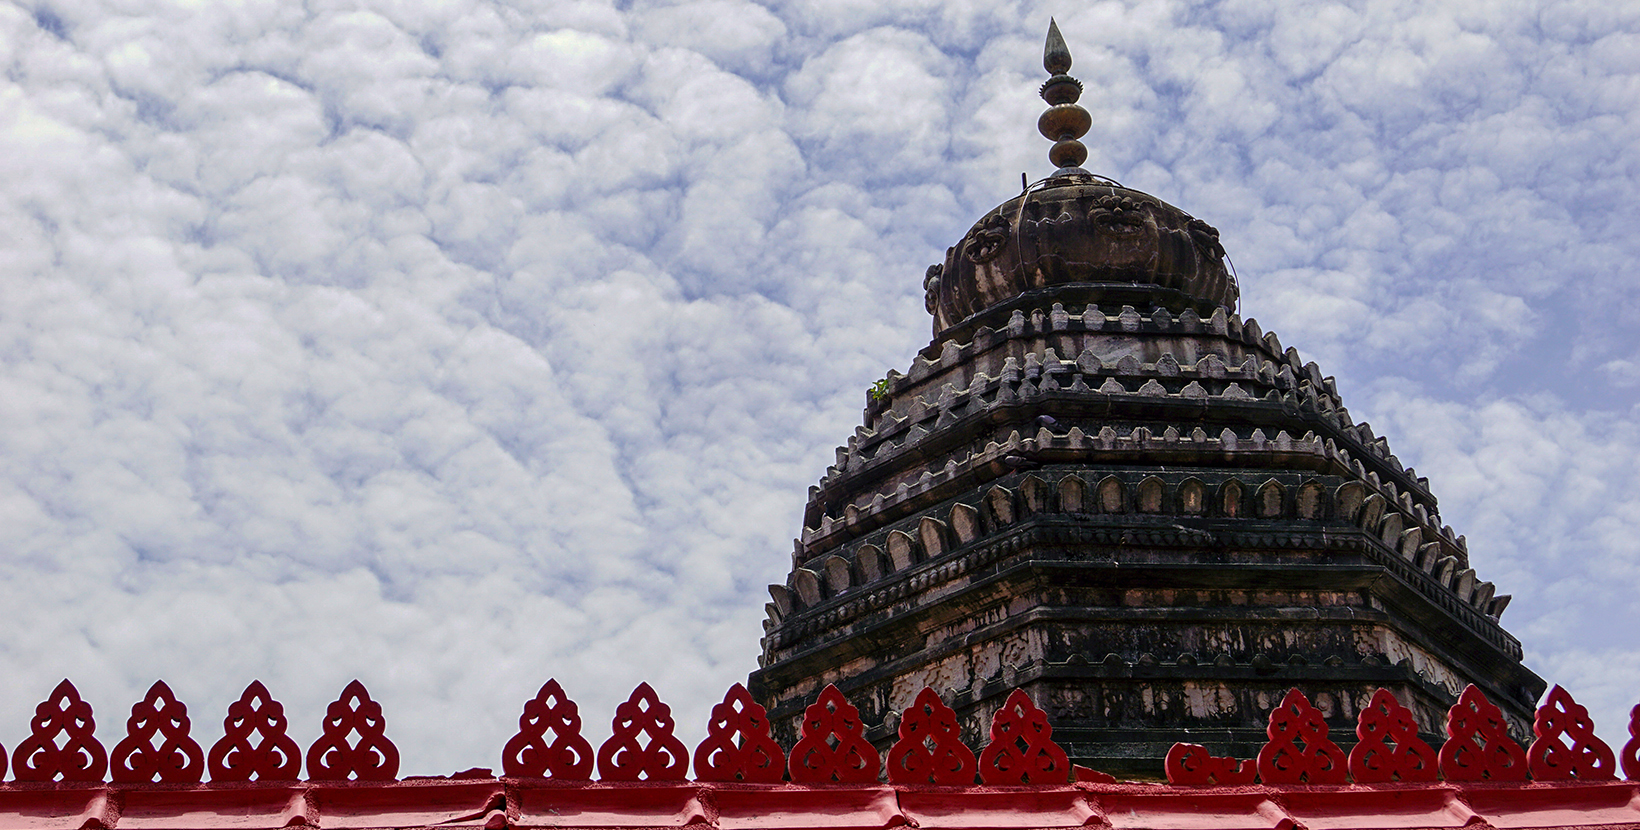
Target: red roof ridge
[[497, 803]]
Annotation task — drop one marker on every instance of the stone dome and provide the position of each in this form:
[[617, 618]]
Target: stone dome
[[1089, 240]]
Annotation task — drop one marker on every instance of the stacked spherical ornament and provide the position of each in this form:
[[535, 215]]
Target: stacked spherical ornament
[[1064, 121]]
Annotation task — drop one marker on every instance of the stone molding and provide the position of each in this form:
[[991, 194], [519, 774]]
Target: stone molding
[[894, 563]]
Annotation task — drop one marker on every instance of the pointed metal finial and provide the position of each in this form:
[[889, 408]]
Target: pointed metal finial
[[1056, 56], [1065, 121]]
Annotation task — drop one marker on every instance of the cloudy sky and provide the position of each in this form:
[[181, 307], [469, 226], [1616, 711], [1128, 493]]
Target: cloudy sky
[[454, 346]]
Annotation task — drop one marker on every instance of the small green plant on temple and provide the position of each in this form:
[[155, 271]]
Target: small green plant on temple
[[878, 390]]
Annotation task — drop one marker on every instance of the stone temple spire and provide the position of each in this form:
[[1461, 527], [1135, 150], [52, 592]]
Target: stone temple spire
[[1064, 121], [1099, 484]]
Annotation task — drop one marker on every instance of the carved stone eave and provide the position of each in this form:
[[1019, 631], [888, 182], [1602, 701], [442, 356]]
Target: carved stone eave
[[1244, 556], [976, 589]]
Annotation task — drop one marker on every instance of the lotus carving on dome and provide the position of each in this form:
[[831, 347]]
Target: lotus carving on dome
[[986, 241], [931, 287], [1206, 238], [1118, 216]]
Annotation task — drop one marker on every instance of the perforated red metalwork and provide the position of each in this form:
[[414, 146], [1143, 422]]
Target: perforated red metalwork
[[624, 758], [337, 755], [1478, 746], [78, 758], [737, 745], [1550, 759], [1022, 750], [1631, 750], [930, 749], [1389, 748], [1193, 764], [567, 756], [738, 748], [177, 760], [1283, 761], [832, 748], [274, 757]]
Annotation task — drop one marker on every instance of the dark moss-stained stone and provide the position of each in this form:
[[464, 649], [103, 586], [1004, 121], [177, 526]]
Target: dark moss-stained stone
[[1057, 489], [1100, 484]]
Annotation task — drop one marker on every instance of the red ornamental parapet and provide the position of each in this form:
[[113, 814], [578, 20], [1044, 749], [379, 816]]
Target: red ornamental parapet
[[1389, 748], [529, 753], [930, 749], [272, 757], [1299, 751], [1194, 764], [1550, 758], [1022, 750], [738, 746], [1478, 746], [177, 759], [662, 757], [833, 748], [61, 744], [1631, 750], [337, 755]]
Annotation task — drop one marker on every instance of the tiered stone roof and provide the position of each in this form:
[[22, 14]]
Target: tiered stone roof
[[1161, 440], [965, 390], [1100, 482]]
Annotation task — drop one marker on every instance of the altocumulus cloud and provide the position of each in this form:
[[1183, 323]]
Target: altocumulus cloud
[[454, 346]]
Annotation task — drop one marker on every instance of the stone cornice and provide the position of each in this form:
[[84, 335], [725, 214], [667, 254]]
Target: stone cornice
[[1303, 513], [1001, 367], [1410, 583]]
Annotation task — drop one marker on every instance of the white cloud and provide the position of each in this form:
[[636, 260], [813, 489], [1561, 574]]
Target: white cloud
[[875, 105], [740, 36]]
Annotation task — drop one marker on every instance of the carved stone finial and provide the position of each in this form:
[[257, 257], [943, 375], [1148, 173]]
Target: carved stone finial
[[1065, 121]]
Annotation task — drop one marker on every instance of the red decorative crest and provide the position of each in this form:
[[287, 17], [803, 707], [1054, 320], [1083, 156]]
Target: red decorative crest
[[832, 748], [274, 757], [622, 758], [79, 758], [178, 758], [1549, 759], [1631, 750], [529, 754], [1193, 764], [1022, 750], [1478, 746], [1283, 761], [1373, 760], [755, 758], [334, 757], [930, 749]]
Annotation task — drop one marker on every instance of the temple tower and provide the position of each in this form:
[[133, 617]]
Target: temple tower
[[1099, 483]]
